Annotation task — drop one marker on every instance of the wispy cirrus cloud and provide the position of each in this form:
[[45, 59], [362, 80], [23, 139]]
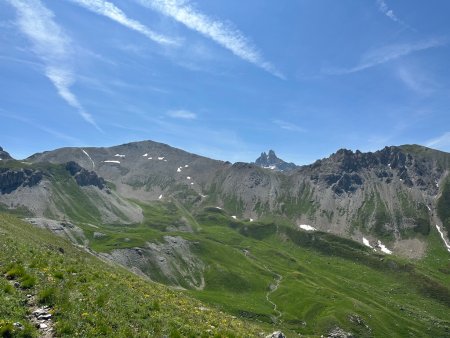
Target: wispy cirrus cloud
[[182, 114], [114, 13], [384, 8], [63, 136], [220, 32], [288, 126], [387, 53], [52, 46], [416, 81], [442, 141]]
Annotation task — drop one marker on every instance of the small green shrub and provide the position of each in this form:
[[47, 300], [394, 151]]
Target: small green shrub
[[27, 281], [47, 296], [15, 271]]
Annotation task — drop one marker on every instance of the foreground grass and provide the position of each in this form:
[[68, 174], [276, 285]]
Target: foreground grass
[[90, 298]]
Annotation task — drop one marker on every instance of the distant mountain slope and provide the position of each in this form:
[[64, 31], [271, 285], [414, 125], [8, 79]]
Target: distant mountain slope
[[387, 196], [271, 161]]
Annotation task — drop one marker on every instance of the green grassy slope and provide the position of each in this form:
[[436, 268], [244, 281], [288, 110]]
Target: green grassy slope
[[326, 281], [91, 298]]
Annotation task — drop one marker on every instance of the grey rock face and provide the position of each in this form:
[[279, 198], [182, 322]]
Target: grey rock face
[[12, 179], [276, 334], [271, 161], [84, 177]]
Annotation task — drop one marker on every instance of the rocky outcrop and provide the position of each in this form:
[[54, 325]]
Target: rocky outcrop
[[276, 334], [12, 179], [84, 177]]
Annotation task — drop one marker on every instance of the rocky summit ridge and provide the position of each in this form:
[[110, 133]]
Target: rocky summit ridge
[[271, 161]]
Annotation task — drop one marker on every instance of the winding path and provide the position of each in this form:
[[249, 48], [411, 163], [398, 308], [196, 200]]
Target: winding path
[[274, 287]]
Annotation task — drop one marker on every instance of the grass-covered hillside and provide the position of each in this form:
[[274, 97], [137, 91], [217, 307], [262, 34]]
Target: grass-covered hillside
[[88, 297], [273, 274]]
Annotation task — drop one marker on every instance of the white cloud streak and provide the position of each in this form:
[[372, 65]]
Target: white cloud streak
[[386, 54], [288, 126], [182, 114], [52, 46], [442, 142], [71, 140], [384, 8], [220, 32], [109, 10], [416, 81]]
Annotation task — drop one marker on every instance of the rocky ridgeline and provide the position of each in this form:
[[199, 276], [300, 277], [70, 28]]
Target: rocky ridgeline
[[345, 171]]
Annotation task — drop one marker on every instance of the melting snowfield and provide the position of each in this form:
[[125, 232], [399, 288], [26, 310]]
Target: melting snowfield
[[307, 227], [384, 249], [367, 243]]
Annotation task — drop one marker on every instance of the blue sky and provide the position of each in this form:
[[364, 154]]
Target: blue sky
[[225, 79]]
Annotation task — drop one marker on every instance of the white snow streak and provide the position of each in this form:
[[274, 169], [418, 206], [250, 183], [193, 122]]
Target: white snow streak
[[443, 238], [93, 164], [118, 162], [118, 155]]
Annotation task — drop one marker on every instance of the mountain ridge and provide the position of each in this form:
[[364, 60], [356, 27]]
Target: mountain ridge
[[384, 195]]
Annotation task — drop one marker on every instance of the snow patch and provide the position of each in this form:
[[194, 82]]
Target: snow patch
[[384, 249], [186, 166], [179, 170], [203, 196], [192, 183], [165, 160], [367, 243], [150, 158], [111, 161], [160, 196], [307, 227], [118, 155], [234, 217], [251, 219], [145, 155], [161, 158], [271, 167], [429, 208], [219, 208], [189, 177], [443, 238]]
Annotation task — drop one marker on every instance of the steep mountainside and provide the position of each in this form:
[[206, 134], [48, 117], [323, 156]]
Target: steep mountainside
[[387, 196]]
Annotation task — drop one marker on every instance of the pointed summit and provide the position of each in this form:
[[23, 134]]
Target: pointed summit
[[271, 161], [4, 155]]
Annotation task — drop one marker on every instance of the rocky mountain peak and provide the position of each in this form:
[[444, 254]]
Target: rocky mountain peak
[[4, 155], [271, 161]]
